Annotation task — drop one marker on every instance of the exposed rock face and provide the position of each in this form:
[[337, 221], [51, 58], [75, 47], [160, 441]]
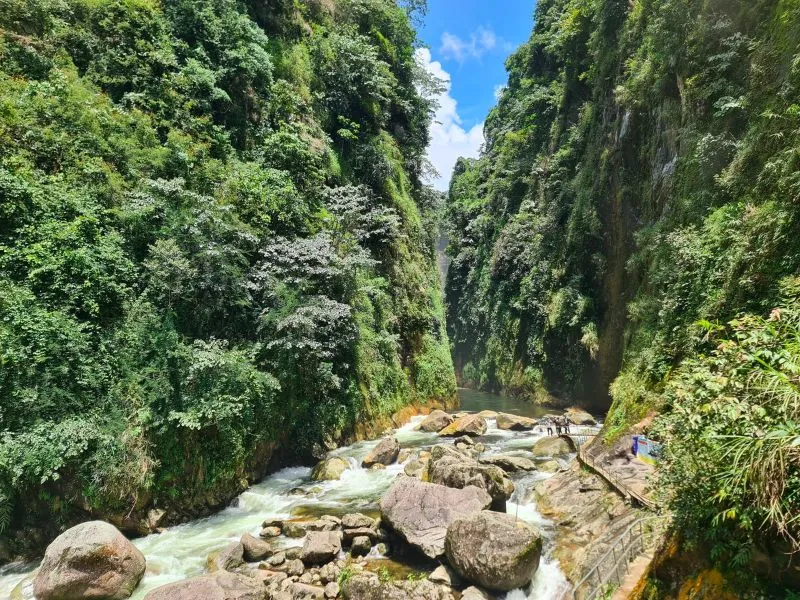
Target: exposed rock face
[[368, 586], [385, 453], [436, 421], [580, 416], [473, 425], [90, 560], [217, 586], [421, 512], [255, 549], [330, 469], [551, 446], [508, 463], [515, 423], [448, 466], [493, 550], [321, 547]]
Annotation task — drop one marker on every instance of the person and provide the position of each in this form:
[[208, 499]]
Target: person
[[558, 425], [567, 423], [549, 423]]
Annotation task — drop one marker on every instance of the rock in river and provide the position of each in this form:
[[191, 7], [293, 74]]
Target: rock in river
[[473, 425], [494, 550], [218, 586], [421, 512], [551, 446], [321, 547], [450, 467], [90, 560], [330, 469], [509, 463], [515, 422], [435, 422], [385, 453], [580, 417]]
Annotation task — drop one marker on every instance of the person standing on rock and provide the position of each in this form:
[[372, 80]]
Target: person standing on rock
[[567, 423], [558, 425], [549, 423]]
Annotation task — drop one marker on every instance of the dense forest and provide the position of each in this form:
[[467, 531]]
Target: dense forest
[[215, 247], [631, 233]]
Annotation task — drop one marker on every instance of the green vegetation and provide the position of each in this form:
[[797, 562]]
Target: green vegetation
[[214, 241], [640, 176]]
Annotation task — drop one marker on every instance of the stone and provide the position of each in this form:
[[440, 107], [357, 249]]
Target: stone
[[385, 453], [377, 467], [509, 464], [358, 520], [515, 423], [321, 547], [421, 512], [360, 546], [332, 519], [579, 416], [304, 591], [551, 446], [348, 535], [270, 532], [277, 559], [488, 414], [294, 552], [254, 548], [464, 439], [227, 559], [329, 573], [404, 455], [449, 467], [473, 593], [367, 586], [322, 525], [330, 469], [331, 590], [416, 468], [295, 529], [494, 550], [435, 422], [472, 425], [90, 560], [295, 568], [549, 466], [444, 575], [217, 586]]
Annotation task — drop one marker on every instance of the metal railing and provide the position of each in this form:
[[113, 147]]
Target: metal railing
[[626, 491], [611, 569]]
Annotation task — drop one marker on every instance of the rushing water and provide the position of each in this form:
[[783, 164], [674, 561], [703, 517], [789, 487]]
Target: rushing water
[[182, 551]]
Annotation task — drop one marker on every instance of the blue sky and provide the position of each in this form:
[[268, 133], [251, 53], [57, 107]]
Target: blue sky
[[467, 44]]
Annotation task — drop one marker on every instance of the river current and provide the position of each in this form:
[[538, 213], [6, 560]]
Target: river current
[[181, 551]]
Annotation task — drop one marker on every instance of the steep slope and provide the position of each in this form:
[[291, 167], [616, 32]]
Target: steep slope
[[214, 243], [637, 192]]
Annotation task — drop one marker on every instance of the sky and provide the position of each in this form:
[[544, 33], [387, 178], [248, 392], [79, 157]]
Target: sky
[[467, 42]]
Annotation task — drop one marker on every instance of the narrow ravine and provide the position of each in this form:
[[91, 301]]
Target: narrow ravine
[[182, 551]]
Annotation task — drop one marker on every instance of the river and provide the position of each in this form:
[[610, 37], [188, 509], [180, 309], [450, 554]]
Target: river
[[182, 551]]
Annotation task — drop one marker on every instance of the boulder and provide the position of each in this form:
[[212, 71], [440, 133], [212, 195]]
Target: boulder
[[447, 466], [548, 466], [580, 417], [421, 512], [255, 549], [472, 425], [367, 586], [270, 532], [227, 559], [217, 586], [416, 468], [473, 593], [515, 422], [464, 439], [361, 545], [385, 453], [488, 414], [331, 590], [304, 591], [435, 422], [90, 560], [494, 550], [321, 547], [509, 463], [444, 575], [295, 529], [330, 469], [295, 567], [358, 520], [551, 446]]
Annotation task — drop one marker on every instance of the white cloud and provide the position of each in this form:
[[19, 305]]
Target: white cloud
[[449, 139], [480, 41]]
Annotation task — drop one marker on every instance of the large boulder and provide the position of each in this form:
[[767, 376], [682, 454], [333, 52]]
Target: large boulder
[[90, 560], [217, 586], [254, 549], [421, 512], [227, 559], [435, 422], [509, 463], [385, 453], [321, 547], [493, 550], [551, 446], [368, 586], [473, 425], [330, 469], [580, 417], [447, 466], [515, 422]]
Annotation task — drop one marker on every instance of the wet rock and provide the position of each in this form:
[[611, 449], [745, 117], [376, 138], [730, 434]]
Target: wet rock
[[404, 455], [435, 422], [421, 512], [377, 467], [509, 464], [358, 520], [295, 529], [321, 547], [360, 546], [416, 468], [453, 469], [321, 524], [488, 414], [464, 439], [330, 469], [472, 425], [385, 453], [551, 446], [255, 549], [90, 560], [227, 559], [493, 550], [217, 586], [515, 423], [270, 532]]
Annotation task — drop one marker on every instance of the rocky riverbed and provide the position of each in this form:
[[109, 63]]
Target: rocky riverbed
[[441, 508]]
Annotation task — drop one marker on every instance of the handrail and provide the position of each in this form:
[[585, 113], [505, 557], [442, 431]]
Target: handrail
[[627, 492], [622, 551]]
